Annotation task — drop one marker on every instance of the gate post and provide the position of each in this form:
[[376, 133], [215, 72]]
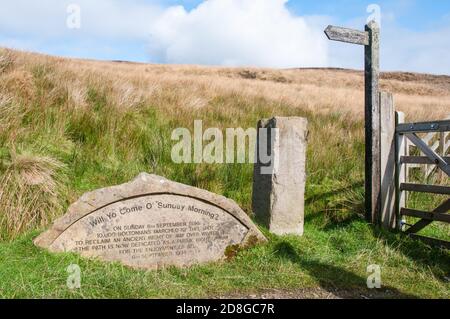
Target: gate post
[[372, 124], [401, 170], [388, 161], [370, 38]]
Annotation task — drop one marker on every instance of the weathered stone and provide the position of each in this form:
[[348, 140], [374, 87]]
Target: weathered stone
[[151, 222], [279, 187]]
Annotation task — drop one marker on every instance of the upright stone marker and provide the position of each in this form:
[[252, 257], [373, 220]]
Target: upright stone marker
[[279, 186], [151, 222]]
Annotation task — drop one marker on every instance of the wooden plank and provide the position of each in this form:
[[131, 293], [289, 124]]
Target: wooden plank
[[440, 162], [427, 139], [435, 146], [401, 171], [372, 124], [443, 208], [431, 241], [424, 127], [438, 147], [441, 147], [347, 35], [441, 151], [388, 162], [421, 224], [426, 215], [420, 160], [420, 188], [429, 169]]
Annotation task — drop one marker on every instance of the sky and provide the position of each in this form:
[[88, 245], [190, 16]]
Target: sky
[[261, 33]]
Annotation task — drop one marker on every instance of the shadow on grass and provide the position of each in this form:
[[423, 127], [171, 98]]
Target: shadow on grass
[[338, 211], [335, 280], [326, 195], [415, 250], [334, 218]]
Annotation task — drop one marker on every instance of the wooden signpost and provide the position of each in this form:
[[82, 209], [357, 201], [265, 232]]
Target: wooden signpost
[[370, 39], [387, 149]]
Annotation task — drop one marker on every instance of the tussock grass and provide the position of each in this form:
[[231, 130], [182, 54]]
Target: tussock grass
[[6, 59], [31, 194], [69, 126]]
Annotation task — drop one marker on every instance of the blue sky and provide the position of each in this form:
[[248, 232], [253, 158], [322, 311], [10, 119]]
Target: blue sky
[[412, 14], [266, 33]]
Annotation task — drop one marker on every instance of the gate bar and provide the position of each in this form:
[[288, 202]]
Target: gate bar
[[424, 148], [421, 188], [437, 217], [421, 224], [420, 160], [424, 127]]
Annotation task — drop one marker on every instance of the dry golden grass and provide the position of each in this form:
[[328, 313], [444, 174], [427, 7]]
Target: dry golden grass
[[30, 193], [69, 126], [89, 115], [421, 97]]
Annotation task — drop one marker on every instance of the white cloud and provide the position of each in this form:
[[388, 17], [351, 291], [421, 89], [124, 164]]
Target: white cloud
[[216, 32], [46, 19], [238, 32], [417, 51], [402, 49]]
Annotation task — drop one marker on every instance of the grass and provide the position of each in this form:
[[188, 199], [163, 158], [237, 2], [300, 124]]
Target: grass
[[68, 126], [333, 258]]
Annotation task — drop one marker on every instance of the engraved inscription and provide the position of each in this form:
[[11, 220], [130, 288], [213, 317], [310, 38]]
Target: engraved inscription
[[154, 230]]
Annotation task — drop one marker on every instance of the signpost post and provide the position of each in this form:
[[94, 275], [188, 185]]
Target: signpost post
[[370, 39]]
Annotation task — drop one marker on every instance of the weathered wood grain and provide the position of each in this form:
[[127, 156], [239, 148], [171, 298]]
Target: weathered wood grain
[[424, 148], [421, 224], [422, 160], [401, 172], [387, 154], [347, 35], [424, 127], [437, 217], [372, 124], [370, 38], [421, 188]]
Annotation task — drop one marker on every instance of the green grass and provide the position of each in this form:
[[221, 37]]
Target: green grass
[[104, 144], [328, 258]]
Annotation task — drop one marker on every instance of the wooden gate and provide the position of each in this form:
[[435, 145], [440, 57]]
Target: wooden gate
[[387, 140], [406, 134]]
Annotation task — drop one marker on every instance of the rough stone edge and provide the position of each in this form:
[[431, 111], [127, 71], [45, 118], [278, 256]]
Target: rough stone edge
[[273, 122], [144, 184]]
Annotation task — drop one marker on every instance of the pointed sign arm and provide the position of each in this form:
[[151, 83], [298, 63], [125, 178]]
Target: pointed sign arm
[[347, 35]]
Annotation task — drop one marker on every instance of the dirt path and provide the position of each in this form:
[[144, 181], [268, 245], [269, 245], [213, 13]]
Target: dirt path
[[318, 293]]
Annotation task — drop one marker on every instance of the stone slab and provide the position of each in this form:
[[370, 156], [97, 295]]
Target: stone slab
[[151, 223]]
